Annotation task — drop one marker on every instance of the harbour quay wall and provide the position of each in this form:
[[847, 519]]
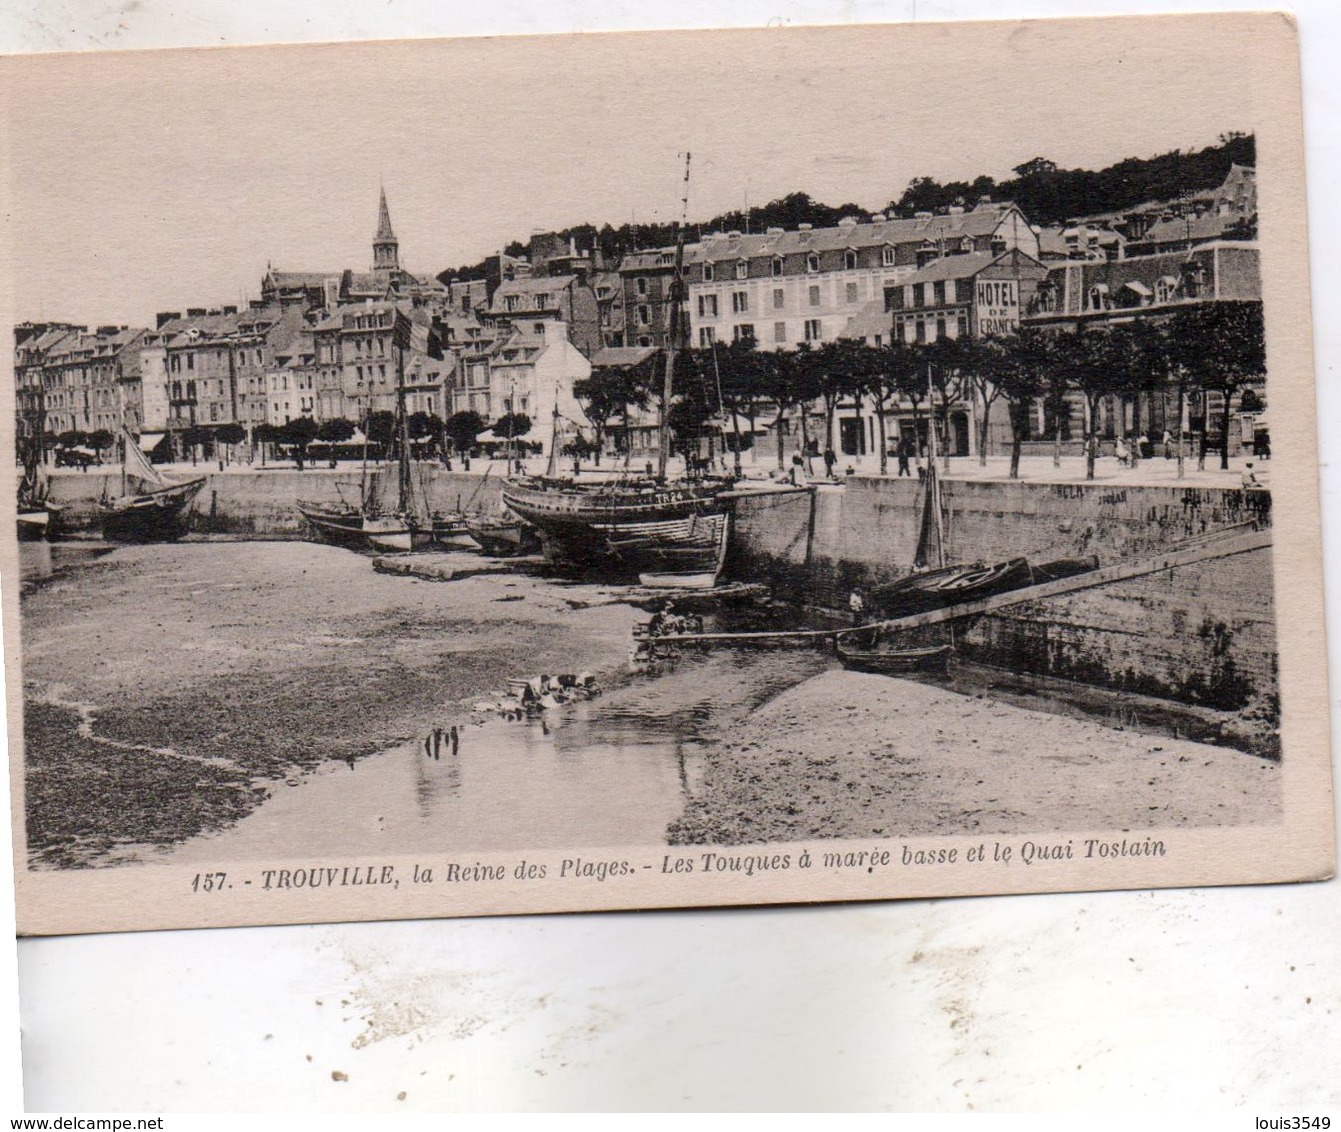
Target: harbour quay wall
[[263, 502], [1201, 634]]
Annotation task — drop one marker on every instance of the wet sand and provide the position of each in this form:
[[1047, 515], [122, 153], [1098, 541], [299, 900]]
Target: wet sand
[[850, 755], [170, 691], [170, 688]]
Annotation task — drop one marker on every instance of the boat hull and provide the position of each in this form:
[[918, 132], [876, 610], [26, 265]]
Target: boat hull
[[157, 516], [504, 539], [37, 523], [630, 530], [896, 662], [351, 528]]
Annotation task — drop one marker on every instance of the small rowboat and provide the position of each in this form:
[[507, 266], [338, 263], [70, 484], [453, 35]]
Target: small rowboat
[[896, 662]]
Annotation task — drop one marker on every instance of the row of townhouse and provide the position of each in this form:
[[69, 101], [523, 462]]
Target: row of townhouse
[[70, 378], [982, 295]]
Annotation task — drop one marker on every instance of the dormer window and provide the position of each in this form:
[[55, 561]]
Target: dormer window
[[887, 255], [707, 273], [812, 262], [1166, 289], [742, 269], [778, 264], [1194, 277], [849, 260], [1099, 297]]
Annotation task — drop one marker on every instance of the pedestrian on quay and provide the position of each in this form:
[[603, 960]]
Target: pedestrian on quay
[[904, 451], [1168, 445], [1250, 480], [857, 603], [830, 459]]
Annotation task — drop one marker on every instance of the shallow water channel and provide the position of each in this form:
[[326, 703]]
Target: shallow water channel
[[616, 770]]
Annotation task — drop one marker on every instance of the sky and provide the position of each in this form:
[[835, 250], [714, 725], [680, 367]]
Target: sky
[[144, 181]]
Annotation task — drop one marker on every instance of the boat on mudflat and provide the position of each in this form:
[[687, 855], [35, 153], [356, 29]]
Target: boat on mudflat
[[895, 662], [503, 536], [636, 526], [653, 525], [372, 523], [358, 527], [157, 514]]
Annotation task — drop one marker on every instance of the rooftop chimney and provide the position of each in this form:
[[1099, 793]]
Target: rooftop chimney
[[775, 231], [164, 317], [804, 227], [230, 310], [195, 312], [848, 222]]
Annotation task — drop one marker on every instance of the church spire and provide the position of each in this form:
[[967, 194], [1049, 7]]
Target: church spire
[[386, 248]]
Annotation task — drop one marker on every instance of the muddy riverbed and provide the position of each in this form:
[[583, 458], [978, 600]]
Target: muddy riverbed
[[204, 701]]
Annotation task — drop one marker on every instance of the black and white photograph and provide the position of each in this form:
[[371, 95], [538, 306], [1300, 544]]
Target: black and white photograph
[[655, 470]]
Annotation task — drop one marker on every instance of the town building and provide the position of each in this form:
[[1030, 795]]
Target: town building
[[355, 363], [1154, 287], [385, 281], [540, 306], [526, 374], [645, 282], [784, 288], [85, 376]]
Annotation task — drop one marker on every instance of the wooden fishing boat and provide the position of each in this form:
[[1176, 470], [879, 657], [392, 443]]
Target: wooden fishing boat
[[157, 514], [695, 563], [359, 527], [503, 536], [895, 662], [371, 523], [633, 525]]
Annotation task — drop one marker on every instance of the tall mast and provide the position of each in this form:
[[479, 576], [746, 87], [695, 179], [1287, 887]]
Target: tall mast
[[676, 298], [403, 434]]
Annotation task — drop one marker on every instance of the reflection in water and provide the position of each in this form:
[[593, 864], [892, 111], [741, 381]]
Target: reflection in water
[[511, 785]]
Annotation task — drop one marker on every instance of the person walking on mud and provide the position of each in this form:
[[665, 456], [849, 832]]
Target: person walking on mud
[[437, 742], [456, 739]]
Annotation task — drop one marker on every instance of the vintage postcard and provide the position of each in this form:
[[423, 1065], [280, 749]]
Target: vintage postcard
[[656, 470]]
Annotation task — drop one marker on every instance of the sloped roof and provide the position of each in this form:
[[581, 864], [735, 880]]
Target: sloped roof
[[870, 320], [953, 267], [282, 279], [621, 356], [981, 221], [1196, 228]]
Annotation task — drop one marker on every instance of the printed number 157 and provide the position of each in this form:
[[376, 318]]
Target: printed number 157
[[208, 882]]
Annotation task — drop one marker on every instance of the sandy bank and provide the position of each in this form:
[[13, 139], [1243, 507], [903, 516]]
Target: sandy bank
[[848, 755], [232, 664]]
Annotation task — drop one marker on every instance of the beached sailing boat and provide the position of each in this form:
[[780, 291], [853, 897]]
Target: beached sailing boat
[[372, 523], [157, 512], [632, 526], [929, 572]]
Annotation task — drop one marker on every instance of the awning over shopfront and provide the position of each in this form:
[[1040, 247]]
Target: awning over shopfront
[[150, 440]]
